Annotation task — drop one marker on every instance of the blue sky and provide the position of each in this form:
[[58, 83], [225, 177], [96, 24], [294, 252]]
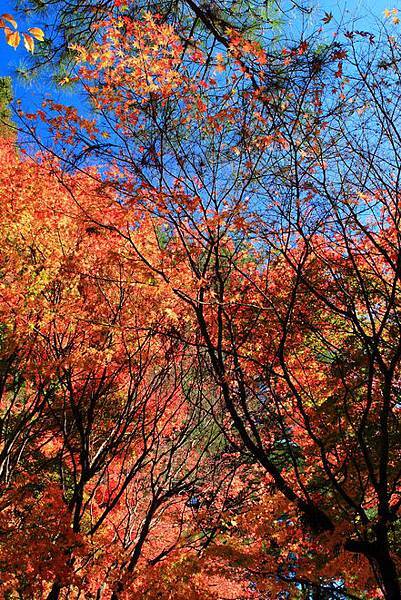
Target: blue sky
[[10, 60], [32, 94]]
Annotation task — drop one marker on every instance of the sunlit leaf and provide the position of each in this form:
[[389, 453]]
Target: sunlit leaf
[[37, 33], [10, 19], [13, 38], [29, 42]]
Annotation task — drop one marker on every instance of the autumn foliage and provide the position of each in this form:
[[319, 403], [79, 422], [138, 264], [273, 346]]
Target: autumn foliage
[[200, 353], [13, 37]]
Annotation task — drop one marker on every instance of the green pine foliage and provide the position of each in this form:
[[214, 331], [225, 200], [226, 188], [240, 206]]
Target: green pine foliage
[[6, 95]]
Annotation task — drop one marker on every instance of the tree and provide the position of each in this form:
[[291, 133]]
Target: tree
[[104, 435], [76, 23], [275, 203], [5, 99]]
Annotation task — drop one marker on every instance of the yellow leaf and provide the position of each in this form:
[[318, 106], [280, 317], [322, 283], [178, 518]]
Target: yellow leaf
[[10, 19], [387, 13], [37, 33], [28, 42], [13, 37]]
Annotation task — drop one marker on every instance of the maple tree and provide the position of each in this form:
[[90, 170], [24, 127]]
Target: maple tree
[[201, 341], [73, 22], [103, 435]]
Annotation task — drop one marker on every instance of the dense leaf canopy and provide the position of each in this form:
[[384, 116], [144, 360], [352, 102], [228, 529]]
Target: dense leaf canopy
[[200, 328]]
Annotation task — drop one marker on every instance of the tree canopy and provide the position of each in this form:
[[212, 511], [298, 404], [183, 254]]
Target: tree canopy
[[200, 283]]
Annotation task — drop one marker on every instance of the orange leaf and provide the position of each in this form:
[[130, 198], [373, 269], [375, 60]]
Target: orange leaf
[[28, 42], [37, 33], [10, 19], [13, 37]]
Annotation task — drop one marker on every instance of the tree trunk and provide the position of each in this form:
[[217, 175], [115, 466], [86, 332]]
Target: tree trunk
[[379, 552], [388, 575], [54, 592]]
